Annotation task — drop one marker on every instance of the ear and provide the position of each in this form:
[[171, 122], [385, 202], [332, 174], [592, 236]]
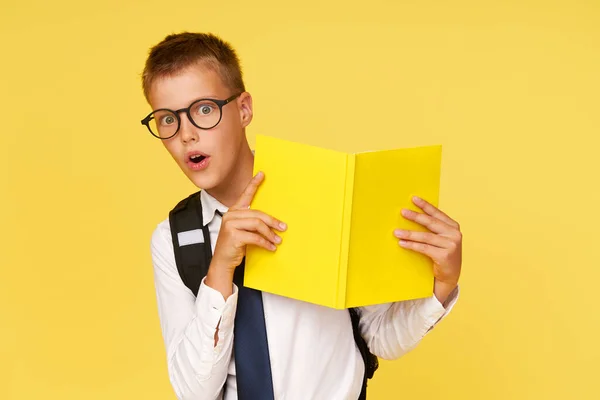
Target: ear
[[245, 107]]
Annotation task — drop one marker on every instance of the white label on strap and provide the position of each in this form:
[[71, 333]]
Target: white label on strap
[[190, 237]]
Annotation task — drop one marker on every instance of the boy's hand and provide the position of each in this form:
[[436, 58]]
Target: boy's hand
[[443, 244], [242, 226]]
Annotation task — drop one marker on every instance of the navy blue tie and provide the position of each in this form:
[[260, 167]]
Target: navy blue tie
[[250, 346]]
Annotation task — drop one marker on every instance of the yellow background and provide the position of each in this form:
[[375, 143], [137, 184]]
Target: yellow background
[[511, 89]]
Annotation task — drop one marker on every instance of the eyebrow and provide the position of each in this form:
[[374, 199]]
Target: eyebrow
[[212, 97]]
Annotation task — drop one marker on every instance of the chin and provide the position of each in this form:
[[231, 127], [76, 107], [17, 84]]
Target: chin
[[204, 180]]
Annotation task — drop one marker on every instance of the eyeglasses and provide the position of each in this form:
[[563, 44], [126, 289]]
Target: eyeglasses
[[202, 113]]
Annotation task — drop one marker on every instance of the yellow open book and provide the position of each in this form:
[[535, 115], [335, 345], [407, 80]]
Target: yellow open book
[[341, 209]]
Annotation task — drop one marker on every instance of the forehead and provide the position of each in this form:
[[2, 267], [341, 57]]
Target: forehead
[[179, 90]]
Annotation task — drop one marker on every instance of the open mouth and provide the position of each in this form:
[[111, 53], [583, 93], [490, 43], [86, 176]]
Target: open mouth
[[196, 159]]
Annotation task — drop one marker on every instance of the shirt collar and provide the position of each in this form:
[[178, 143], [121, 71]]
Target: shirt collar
[[210, 205]]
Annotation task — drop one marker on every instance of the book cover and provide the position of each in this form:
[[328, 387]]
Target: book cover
[[341, 209]]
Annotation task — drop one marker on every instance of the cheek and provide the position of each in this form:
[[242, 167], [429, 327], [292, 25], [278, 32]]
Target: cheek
[[172, 148], [227, 134], [232, 119], [224, 145]]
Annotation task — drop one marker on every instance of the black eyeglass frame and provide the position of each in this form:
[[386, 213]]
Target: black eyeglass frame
[[220, 103]]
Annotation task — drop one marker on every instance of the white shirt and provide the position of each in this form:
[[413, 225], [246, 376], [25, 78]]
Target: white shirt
[[312, 349]]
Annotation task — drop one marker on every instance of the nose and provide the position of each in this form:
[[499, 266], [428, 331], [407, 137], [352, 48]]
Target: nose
[[187, 131]]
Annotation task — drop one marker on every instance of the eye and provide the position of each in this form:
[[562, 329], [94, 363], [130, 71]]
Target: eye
[[167, 120], [204, 109]]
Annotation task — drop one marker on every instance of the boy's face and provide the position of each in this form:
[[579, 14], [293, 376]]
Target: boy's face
[[219, 145]]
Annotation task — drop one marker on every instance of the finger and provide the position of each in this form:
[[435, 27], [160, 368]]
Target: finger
[[253, 214], [434, 211], [257, 225], [431, 223], [246, 198], [432, 252], [251, 238], [424, 237]]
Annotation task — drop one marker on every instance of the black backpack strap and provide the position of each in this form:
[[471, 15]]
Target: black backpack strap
[[371, 362], [193, 260]]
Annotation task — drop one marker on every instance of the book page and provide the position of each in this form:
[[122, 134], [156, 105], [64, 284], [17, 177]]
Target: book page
[[304, 187], [379, 270]]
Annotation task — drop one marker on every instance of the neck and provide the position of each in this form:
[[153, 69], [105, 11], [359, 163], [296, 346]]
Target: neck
[[237, 180]]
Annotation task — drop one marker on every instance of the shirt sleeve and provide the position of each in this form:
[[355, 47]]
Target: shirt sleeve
[[393, 329], [197, 368]]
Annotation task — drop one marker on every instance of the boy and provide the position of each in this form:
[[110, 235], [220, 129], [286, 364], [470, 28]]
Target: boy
[[193, 82]]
